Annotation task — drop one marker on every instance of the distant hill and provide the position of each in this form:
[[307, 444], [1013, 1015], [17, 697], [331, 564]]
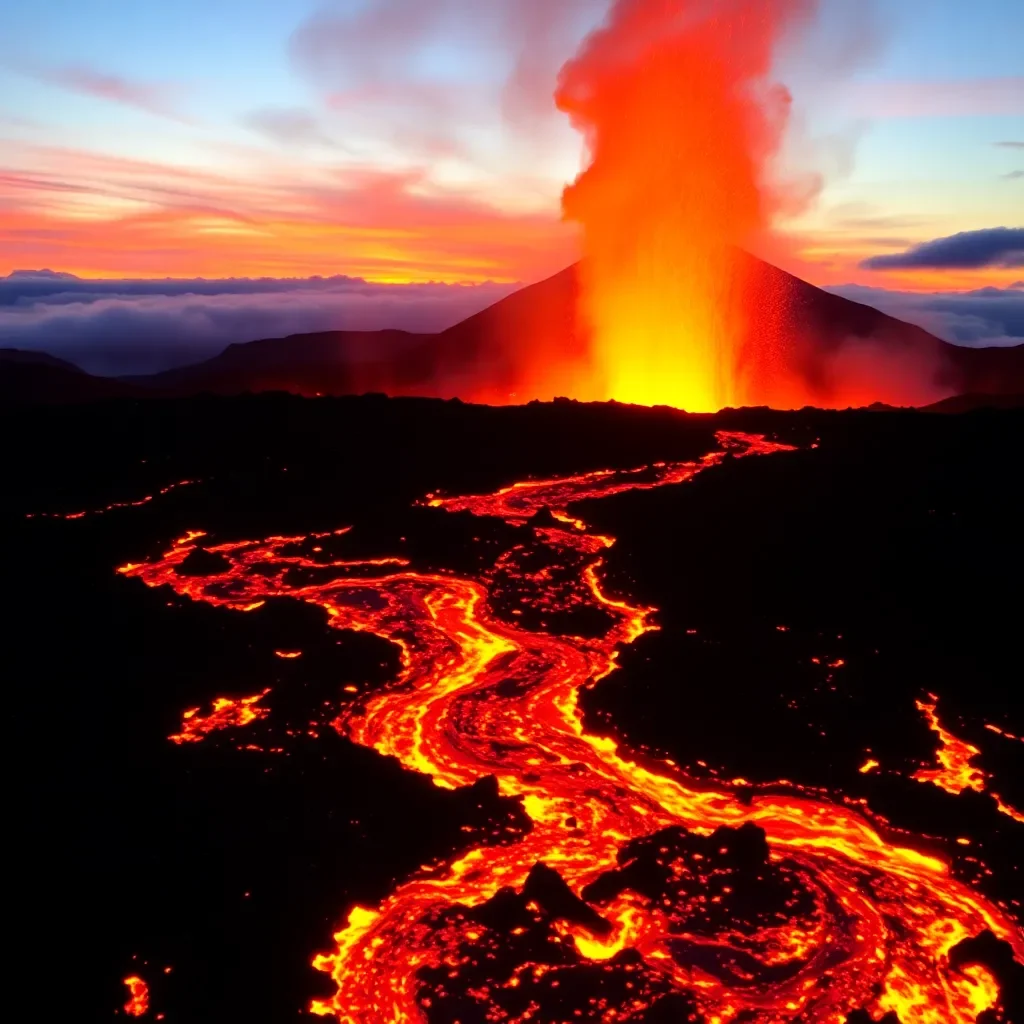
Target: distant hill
[[37, 378], [41, 275], [20, 355], [527, 345], [488, 357], [968, 403]]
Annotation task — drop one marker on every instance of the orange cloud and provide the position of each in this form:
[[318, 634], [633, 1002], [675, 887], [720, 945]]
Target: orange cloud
[[96, 215]]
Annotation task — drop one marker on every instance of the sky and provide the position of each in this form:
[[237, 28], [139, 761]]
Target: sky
[[415, 141]]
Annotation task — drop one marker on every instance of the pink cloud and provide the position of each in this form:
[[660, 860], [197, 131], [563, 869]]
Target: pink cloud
[[380, 65], [290, 126], [154, 98], [971, 97]]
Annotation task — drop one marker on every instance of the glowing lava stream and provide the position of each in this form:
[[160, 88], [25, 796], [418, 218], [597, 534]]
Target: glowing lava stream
[[138, 997], [477, 697]]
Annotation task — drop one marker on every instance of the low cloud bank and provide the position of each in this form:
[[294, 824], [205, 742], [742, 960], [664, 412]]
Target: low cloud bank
[[987, 247], [113, 327], [988, 316]]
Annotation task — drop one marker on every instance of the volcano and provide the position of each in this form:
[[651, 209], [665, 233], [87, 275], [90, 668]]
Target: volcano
[[532, 343], [527, 345]]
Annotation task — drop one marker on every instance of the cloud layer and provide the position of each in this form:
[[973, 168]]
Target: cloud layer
[[988, 247], [128, 327], [115, 327], [154, 98], [986, 316]]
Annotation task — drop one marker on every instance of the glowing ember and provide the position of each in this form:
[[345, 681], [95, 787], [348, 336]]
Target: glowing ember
[[851, 919], [138, 997], [679, 120]]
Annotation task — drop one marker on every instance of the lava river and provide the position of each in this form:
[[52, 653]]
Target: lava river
[[776, 907]]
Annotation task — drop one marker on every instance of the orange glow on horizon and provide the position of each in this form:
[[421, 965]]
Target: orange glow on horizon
[[825, 260], [386, 227], [369, 224]]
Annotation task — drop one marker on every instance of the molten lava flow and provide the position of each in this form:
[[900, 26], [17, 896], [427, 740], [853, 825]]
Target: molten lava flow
[[1004, 733], [679, 121], [832, 915], [138, 997], [112, 506], [226, 714], [955, 756]]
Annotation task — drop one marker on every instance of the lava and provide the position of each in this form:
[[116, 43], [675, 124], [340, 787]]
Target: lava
[[1004, 733], [775, 906], [138, 997], [957, 773], [227, 713], [113, 505], [955, 756]]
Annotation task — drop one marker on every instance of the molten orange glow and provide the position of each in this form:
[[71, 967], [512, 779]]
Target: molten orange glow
[[679, 120], [138, 997], [870, 922]]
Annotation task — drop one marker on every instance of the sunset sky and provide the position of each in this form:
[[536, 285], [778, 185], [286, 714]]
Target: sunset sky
[[417, 140]]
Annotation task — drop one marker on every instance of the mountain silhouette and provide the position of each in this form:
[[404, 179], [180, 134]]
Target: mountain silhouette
[[32, 378], [527, 345]]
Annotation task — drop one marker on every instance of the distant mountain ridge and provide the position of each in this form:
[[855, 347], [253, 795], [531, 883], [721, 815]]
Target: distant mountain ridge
[[44, 274], [526, 346], [38, 378]]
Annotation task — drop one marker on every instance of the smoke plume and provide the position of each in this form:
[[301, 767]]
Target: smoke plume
[[681, 120]]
